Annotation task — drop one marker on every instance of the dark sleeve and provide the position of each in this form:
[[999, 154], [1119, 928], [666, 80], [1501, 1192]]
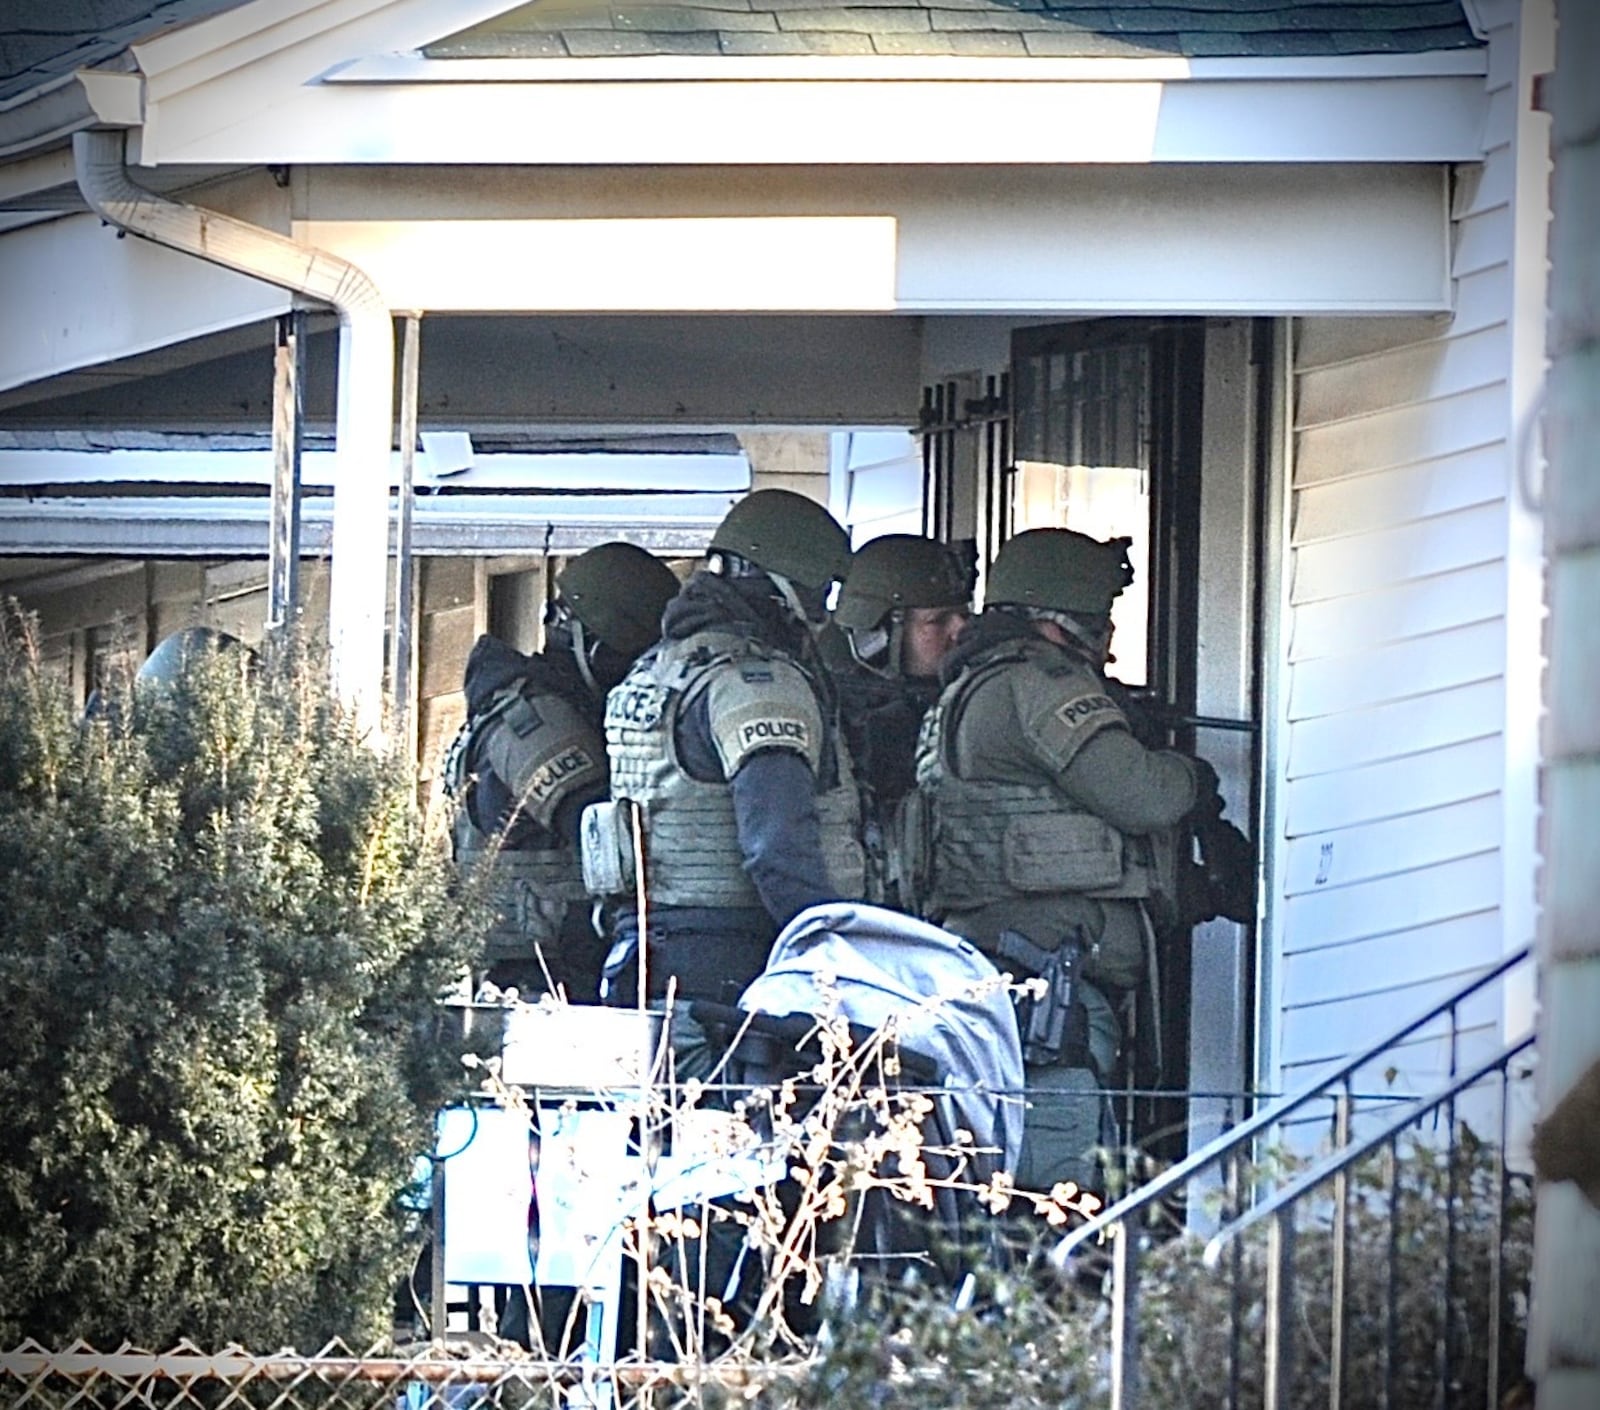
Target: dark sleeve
[[774, 807], [569, 811]]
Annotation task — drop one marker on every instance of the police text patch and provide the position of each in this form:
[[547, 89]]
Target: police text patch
[[550, 776], [793, 734], [1076, 711]]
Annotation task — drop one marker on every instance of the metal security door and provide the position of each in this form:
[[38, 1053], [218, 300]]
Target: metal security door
[[965, 431]]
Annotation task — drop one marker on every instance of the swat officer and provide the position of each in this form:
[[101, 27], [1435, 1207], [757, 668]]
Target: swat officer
[[1053, 831], [531, 756], [900, 609], [725, 751]]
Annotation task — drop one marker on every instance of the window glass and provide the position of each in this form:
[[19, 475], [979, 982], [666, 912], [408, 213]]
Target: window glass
[[1083, 463]]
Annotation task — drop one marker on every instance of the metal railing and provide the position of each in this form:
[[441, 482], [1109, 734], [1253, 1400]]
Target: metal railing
[[1124, 1221], [1283, 1206]]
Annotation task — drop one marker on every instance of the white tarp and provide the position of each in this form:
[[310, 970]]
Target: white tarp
[[947, 1001]]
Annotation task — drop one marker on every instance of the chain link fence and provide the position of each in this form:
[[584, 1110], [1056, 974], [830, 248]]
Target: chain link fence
[[429, 1377]]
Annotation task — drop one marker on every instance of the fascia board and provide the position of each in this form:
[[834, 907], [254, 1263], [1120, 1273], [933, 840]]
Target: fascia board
[[1432, 118], [416, 68], [213, 525], [591, 472], [239, 67]]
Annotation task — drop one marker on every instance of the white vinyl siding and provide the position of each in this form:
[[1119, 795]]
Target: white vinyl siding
[[1392, 814]]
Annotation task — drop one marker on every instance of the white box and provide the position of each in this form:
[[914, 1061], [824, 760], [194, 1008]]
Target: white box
[[580, 1047]]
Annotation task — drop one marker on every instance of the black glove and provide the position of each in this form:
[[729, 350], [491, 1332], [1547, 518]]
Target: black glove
[[1228, 862], [1207, 791]]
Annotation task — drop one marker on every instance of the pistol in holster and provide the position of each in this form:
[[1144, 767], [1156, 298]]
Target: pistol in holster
[[1054, 1026]]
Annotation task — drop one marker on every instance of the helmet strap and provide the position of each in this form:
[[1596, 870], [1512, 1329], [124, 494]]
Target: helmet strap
[[872, 648], [897, 642], [797, 608], [1093, 640], [580, 653]]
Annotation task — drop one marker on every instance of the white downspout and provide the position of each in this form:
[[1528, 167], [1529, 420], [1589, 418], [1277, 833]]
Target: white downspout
[[365, 427]]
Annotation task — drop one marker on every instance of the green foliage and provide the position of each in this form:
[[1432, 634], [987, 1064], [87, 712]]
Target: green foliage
[[224, 933]]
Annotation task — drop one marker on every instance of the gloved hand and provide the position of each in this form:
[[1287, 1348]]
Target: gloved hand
[[1228, 861], [1207, 790]]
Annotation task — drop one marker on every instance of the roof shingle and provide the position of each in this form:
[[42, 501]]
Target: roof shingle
[[1055, 28]]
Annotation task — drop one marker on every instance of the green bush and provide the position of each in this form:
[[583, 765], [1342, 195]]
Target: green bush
[[224, 933]]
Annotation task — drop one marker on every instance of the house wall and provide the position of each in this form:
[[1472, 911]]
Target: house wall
[[1408, 750]]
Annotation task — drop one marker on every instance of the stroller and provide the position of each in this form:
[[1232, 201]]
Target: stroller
[[934, 1017]]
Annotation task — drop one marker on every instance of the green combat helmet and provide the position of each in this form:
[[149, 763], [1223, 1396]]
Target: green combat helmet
[[618, 591], [890, 577], [787, 535], [896, 571], [1059, 570], [790, 539]]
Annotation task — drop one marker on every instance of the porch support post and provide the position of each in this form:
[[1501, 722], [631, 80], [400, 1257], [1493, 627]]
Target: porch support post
[[1564, 1331], [288, 409], [404, 563]]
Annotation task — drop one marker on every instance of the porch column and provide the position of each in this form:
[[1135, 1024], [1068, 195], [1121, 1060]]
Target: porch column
[[1564, 1332]]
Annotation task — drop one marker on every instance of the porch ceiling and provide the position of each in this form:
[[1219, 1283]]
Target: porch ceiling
[[511, 374]]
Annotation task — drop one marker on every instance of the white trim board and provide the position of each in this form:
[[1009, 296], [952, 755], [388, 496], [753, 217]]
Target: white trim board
[[636, 472], [1235, 239], [1436, 118], [220, 526]]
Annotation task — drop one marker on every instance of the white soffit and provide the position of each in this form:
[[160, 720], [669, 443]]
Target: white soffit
[[72, 295], [1175, 239]]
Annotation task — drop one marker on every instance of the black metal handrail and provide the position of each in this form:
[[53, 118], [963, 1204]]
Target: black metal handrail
[[1227, 1147], [1282, 1206], [1357, 1151], [1230, 1141]]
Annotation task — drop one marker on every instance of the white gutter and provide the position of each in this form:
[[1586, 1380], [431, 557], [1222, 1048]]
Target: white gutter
[[365, 426]]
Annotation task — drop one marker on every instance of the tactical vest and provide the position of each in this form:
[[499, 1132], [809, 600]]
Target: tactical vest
[[529, 889], [692, 852], [984, 841]]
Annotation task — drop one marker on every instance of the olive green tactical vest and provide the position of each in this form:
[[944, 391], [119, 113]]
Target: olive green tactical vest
[[990, 841], [692, 852], [529, 889]]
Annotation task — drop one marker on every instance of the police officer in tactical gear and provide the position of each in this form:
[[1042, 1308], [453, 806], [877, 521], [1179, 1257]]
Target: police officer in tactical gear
[[724, 745], [531, 756], [1052, 830], [901, 606], [903, 603]]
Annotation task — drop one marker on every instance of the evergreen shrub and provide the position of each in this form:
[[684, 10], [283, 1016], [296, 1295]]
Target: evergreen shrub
[[225, 930]]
